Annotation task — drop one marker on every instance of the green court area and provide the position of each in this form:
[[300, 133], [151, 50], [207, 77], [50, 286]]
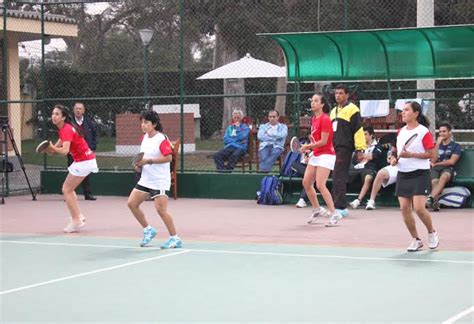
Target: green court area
[[89, 279]]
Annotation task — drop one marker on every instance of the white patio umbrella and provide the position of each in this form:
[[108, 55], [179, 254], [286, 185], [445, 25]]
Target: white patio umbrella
[[246, 67]]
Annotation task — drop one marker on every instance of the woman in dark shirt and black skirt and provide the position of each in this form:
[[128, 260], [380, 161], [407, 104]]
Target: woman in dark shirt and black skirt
[[413, 180]]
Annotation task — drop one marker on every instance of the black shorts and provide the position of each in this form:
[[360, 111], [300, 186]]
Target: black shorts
[[437, 171], [415, 183], [153, 193], [354, 174]]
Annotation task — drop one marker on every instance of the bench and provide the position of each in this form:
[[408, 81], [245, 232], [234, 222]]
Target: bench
[[465, 177], [465, 170]]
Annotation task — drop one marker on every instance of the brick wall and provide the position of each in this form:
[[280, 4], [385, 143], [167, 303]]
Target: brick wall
[[129, 132]]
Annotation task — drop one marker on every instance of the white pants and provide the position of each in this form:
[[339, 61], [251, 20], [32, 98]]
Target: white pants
[[392, 173]]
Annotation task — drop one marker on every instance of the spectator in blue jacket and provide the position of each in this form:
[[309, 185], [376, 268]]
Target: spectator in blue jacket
[[272, 137], [235, 143]]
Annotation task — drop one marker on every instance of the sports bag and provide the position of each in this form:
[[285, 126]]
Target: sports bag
[[271, 190], [454, 197]]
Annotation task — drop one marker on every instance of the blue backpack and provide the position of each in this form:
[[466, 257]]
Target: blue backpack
[[286, 169], [271, 190]]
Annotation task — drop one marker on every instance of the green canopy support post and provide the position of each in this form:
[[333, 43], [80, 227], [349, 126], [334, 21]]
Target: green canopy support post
[[181, 80], [44, 110], [387, 65]]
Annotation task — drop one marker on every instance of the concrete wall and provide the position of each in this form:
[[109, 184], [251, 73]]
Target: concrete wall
[[129, 133]]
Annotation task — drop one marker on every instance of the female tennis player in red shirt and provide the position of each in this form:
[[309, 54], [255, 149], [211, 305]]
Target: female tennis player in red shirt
[[322, 161], [413, 179], [71, 141]]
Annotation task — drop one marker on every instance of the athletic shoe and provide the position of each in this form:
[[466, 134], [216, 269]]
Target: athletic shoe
[[335, 218], [172, 243], [429, 202], [73, 226], [370, 204], [435, 205], [301, 203], [316, 214], [355, 203], [434, 240], [83, 219], [343, 212], [148, 234], [415, 245]]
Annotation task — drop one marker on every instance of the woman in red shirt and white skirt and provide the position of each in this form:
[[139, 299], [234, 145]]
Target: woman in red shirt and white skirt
[[72, 141], [322, 162]]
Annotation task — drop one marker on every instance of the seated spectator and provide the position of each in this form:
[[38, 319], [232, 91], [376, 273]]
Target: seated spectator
[[447, 154], [299, 167], [235, 143], [384, 178], [272, 137], [366, 169]]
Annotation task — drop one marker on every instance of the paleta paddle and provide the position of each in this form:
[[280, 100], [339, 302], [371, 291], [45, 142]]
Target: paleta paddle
[[41, 148], [137, 158]]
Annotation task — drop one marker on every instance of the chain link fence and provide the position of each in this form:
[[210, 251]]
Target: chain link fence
[[91, 52]]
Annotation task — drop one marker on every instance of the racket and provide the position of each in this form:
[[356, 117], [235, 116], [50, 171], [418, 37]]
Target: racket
[[137, 158], [407, 144], [295, 144], [41, 148]]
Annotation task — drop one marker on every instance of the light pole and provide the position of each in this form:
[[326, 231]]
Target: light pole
[[145, 36]]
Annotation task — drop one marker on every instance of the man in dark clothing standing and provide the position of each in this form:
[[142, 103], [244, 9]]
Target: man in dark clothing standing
[[88, 129], [348, 135]]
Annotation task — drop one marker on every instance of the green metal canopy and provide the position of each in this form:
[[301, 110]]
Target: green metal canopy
[[388, 54]]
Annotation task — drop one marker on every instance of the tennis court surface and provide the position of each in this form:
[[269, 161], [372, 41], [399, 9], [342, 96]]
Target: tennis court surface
[[241, 262]]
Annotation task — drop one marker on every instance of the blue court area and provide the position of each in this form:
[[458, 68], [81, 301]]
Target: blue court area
[[87, 279]]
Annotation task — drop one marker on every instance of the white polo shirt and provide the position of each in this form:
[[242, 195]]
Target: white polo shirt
[[156, 176], [423, 142]]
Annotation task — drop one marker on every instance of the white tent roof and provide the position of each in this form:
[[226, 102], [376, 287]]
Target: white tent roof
[[246, 67]]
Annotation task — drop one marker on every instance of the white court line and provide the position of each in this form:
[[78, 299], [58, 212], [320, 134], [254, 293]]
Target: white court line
[[251, 253], [459, 316], [90, 272], [334, 256], [81, 245]]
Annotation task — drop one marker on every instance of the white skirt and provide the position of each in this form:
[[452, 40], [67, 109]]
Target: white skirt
[[324, 160], [83, 168]]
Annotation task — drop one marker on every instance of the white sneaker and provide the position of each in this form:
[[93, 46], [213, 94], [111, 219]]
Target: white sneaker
[[354, 204], [370, 204], [73, 226], [434, 240], [316, 214], [334, 218], [301, 203], [415, 245]]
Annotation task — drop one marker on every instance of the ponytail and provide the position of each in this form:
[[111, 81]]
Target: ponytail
[[421, 119], [68, 119], [326, 107]]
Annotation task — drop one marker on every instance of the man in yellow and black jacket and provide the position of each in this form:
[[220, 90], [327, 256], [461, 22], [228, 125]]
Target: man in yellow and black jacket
[[348, 136]]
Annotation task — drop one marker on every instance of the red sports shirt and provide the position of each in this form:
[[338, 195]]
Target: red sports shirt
[[322, 124], [79, 149]]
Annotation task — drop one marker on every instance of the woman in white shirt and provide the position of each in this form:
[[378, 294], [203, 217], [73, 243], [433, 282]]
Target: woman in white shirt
[[413, 179], [155, 179]]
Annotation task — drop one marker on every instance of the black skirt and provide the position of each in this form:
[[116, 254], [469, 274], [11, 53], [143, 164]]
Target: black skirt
[[415, 183]]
